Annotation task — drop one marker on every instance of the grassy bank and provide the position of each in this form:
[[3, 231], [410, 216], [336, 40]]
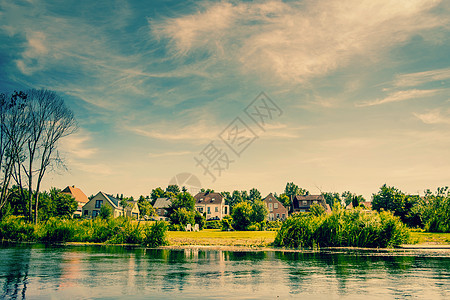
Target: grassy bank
[[421, 237], [216, 237]]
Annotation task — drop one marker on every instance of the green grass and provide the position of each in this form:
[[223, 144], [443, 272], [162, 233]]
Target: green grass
[[421, 237], [216, 237]]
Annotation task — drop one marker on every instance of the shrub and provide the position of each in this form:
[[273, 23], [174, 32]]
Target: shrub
[[155, 235], [16, 229], [343, 228], [242, 214], [56, 230], [226, 223], [213, 224]]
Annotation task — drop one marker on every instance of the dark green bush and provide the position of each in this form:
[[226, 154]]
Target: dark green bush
[[155, 235], [213, 224], [14, 228], [342, 228], [227, 222]]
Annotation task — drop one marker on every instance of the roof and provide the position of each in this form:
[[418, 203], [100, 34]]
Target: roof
[[78, 194], [208, 198], [162, 203], [309, 197]]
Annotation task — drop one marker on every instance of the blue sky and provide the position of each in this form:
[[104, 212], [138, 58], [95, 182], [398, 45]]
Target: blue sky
[[362, 88]]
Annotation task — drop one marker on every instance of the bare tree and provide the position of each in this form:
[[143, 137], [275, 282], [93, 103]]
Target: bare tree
[[33, 129], [13, 134]]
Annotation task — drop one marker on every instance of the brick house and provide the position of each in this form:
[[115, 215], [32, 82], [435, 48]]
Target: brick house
[[303, 203], [277, 211]]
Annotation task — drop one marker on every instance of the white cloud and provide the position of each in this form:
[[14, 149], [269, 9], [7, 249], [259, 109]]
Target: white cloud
[[434, 116], [401, 96], [297, 41], [77, 145], [168, 154], [415, 79]]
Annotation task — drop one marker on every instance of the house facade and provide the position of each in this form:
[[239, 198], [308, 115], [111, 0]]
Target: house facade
[[212, 205], [79, 196], [303, 203], [92, 208], [277, 211], [161, 205]]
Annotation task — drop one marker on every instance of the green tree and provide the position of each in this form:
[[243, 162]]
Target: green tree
[[65, 205], [173, 188], [156, 193], [105, 212], [235, 198], [242, 214], [330, 198], [259, 211], [436, 210], [254, 195], [124, 203], [284, 200], [291, 190], [145, 208]]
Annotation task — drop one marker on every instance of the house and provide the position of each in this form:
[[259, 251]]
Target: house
[[92, 208], [79, 196], [277, 211], [303, 203], [212, 205], [161, 205]]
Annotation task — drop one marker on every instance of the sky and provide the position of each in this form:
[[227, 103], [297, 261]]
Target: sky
[[332, 95]]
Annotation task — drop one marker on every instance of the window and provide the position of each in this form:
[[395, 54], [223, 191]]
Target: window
[[225, 209], [86, 212], [278, 216], [217, 209], [98, 203], [270, 216], [209, 210], [275, 205], [270, 206], [315, 201], [200, 209], [305, 202], [95, 213], [284, 216]]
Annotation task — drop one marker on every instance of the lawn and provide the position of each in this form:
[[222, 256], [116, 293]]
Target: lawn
[[420, 237], [216, 237]]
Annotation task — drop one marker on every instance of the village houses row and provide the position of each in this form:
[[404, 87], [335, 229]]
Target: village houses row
[[212, 205]]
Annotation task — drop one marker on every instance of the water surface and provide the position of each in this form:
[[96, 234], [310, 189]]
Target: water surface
[[111, 272]]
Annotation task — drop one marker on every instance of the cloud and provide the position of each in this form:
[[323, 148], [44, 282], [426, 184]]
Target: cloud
[[76, 145], [419, 78], [401, 96], [168, 154], [435, 116], [296, 41]]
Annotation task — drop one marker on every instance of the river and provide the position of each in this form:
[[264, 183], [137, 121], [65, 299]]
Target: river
[[114, 272]]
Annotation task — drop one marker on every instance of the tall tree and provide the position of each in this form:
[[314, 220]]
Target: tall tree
[[292, 190], [254, 195], [173, 188]]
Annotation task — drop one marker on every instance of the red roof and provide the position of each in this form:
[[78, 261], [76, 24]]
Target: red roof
[[78, 194]]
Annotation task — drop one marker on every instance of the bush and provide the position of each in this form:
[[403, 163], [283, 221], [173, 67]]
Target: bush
[[242, 214], [227, 222], [343, 228], [14, 228], [213, 224], [55, 230], [155, 235]]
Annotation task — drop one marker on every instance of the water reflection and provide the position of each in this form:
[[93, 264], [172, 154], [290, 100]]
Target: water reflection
[[121, 272]]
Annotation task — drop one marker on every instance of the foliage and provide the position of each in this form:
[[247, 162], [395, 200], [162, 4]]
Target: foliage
[[56, 204], [292, 190], [156, 193], [227, 222], [105, 212], [254, 195], [155, 235], [200, 220], [54, 230], [145, 207], [436, 211], [173, 188], [242, 214], [342, 228], [284, 200], [404, 206], [317, 210], [182, 216], [213, 224], [331, 198], [259, 211]]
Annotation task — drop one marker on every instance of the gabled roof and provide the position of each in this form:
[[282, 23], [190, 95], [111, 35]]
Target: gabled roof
[[309, 197], [162, 203], [208, 198], [78, 194], [114, 201]]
